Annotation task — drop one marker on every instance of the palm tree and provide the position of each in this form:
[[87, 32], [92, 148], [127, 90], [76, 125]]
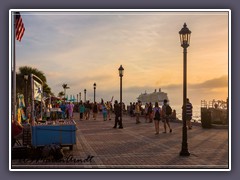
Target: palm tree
[[65, 86], [26, 70], [47, 89], [61, 94]]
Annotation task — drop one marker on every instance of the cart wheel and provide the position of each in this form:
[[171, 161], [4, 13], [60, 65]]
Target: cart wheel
[[71, 147]]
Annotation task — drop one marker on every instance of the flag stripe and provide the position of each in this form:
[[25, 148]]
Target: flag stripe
[[19, 27], [20, 35]]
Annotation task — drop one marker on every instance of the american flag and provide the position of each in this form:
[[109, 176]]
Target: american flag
[[19, 26]]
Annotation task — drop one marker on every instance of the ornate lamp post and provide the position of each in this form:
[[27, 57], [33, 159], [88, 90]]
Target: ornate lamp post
[[185, 41], [94, 87], [85, 95], [80, 97], [120, 70], [26, 90]]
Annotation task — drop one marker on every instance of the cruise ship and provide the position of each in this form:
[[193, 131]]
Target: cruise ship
[[153, 97]]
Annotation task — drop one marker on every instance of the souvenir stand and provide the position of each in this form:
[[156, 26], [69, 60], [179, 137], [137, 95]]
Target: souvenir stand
[[53, 131]]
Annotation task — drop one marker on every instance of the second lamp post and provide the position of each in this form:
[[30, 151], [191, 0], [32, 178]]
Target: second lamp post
[[94, 87], [120, 70]]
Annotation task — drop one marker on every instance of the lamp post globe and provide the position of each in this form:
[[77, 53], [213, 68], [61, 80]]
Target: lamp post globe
[[184, 34], [120, 70]]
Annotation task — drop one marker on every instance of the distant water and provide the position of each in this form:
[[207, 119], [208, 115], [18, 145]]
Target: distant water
[[196, 112]]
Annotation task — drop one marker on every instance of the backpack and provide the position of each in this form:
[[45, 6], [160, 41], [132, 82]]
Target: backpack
[[168, 110], [157, 115]]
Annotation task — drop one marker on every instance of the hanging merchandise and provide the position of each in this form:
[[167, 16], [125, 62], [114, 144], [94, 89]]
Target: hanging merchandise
[[24, 118], [21, 103], [20, 112], [19, 117]]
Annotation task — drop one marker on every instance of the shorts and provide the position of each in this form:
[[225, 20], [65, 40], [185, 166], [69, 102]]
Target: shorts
[[104, 114], [157, 119], [165, 119]]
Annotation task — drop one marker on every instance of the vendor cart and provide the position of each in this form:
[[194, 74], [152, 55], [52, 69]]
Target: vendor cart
[[62, 132]]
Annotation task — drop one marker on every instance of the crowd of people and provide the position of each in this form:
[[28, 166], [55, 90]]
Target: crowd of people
[[86, 108], [157, 114], [149, 112], [153, 113]]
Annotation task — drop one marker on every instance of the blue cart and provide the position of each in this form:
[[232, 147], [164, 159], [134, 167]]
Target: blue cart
[[62, 132]]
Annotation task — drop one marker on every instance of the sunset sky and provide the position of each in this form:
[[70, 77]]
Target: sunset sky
[[80, 48]]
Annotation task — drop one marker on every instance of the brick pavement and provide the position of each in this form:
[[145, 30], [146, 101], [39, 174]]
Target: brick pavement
[[136, 146]]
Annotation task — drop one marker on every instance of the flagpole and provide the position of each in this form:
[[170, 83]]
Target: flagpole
[[14, 68]]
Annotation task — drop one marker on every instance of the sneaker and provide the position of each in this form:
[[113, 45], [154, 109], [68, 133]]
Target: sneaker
[[156, 133], [164, 132], [170, 130], [114, 127]]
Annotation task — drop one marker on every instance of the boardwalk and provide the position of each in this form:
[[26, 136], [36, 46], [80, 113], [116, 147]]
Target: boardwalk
[[136, 146]]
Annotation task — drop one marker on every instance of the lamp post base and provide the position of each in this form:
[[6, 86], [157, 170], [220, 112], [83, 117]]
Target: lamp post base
[[184, 152]]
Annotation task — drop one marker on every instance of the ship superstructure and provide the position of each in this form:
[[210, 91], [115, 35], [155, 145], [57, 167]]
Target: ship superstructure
[[156, 96]]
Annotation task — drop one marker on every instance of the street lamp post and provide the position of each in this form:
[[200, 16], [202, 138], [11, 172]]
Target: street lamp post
[[26, 90], [185, 41], [94, 87], [80, 97], [85, 95], [120, 70]]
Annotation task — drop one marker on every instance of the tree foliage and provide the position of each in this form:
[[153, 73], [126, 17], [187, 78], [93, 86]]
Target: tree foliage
[[21, 82], [65, 86], [61, 94]]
